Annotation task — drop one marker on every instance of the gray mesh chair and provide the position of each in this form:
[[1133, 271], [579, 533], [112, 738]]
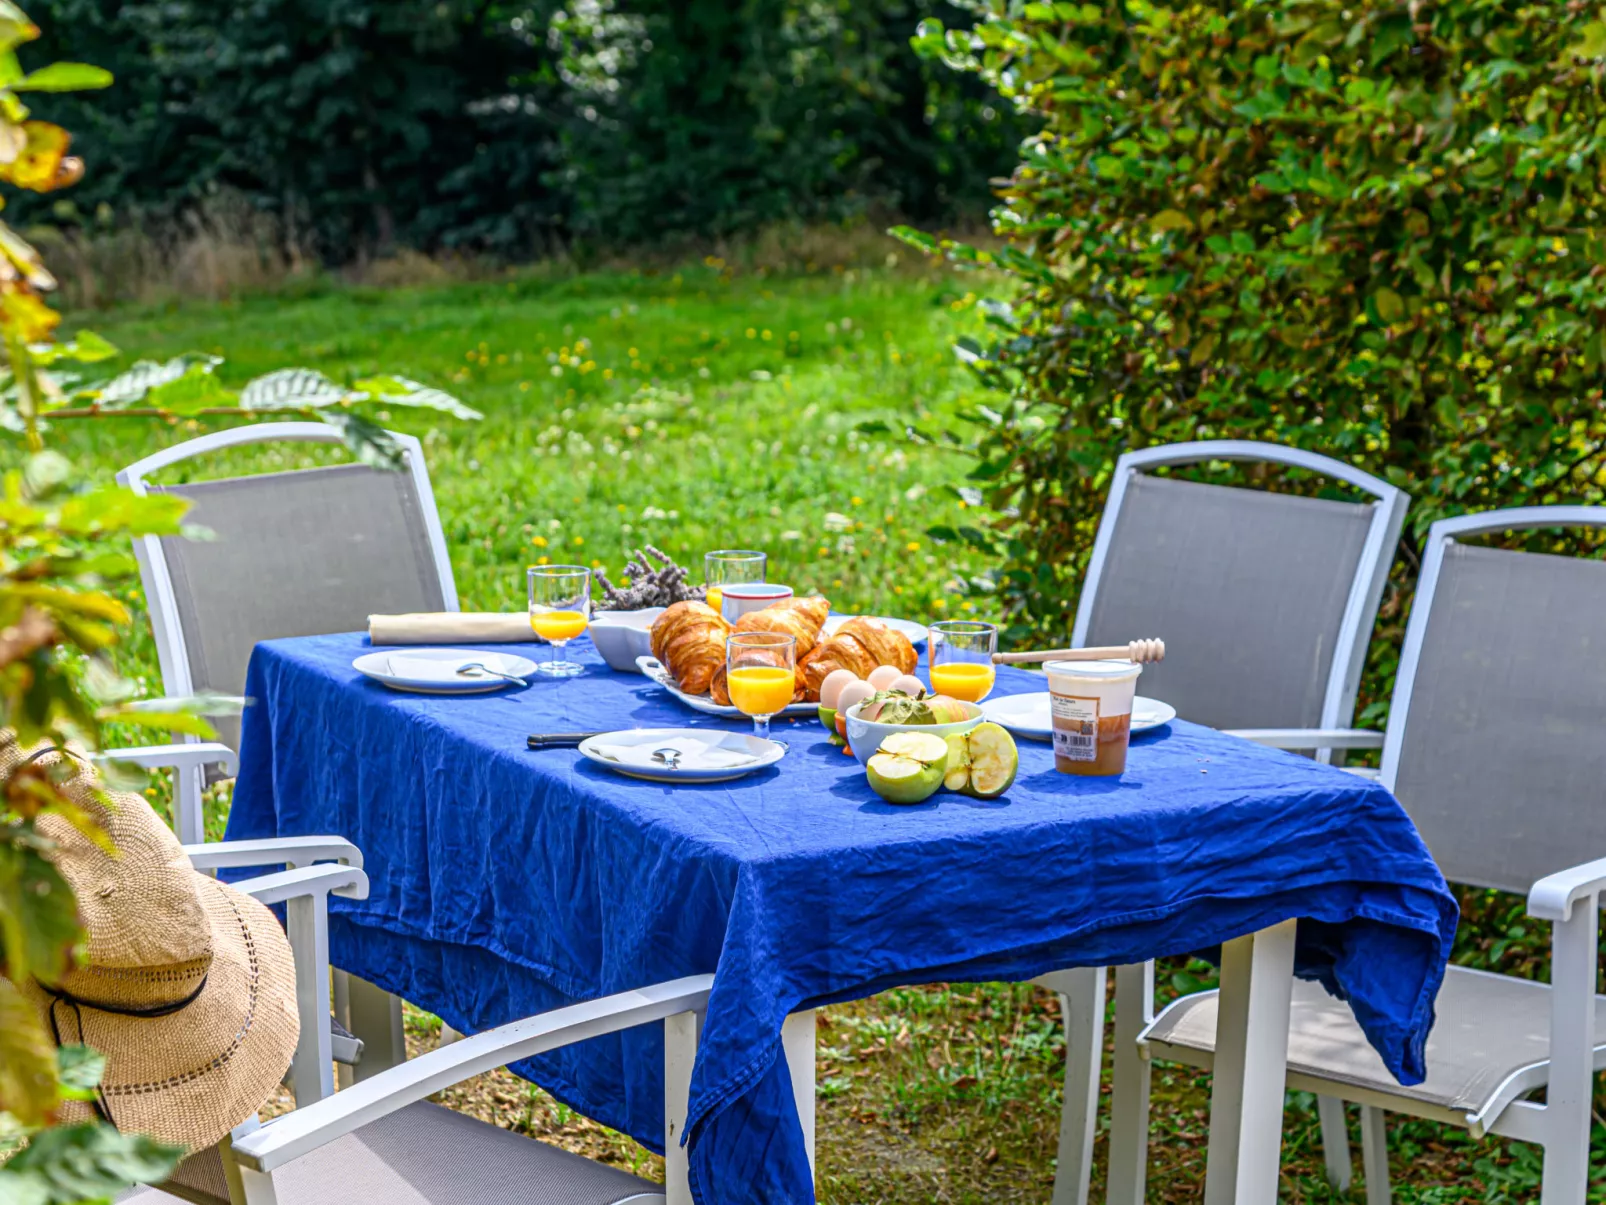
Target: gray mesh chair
[[1494, 747], [382, 1143], [298, 553], [1265, 602]]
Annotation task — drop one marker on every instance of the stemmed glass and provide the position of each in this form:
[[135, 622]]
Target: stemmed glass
[[560, 608], [961, 652], [761, 674], [729, 567]]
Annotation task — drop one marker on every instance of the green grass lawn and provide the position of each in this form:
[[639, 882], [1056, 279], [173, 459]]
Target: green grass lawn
[[700, 410]]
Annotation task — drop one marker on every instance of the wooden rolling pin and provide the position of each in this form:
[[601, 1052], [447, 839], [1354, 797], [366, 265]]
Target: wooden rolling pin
[[1140, 651]]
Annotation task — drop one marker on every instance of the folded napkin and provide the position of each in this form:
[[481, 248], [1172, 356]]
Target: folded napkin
[[451, 627], [694, 755]]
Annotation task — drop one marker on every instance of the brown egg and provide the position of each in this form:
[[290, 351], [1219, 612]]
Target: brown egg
[[832, 686], [883, 676], [854, 692], [910, 685]]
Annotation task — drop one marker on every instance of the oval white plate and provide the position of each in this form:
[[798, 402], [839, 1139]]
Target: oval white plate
[[915, 631], [424, 679], [1028, 715], [760, 752], [655, 670]]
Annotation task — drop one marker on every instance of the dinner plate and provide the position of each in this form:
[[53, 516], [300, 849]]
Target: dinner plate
[[1028, 715], [432, 671], [915, 631], [629, 753], [655, 670]]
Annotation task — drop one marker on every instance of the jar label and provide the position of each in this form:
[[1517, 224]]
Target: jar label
[[1076, 727]]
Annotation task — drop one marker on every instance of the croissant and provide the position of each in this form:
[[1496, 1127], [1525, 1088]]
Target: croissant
[[799, 617], [689, 638], [859, 645]]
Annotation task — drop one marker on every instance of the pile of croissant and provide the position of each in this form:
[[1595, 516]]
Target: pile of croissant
[[689, 639]]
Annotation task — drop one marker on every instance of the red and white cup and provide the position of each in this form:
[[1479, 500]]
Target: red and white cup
[[737, 600]]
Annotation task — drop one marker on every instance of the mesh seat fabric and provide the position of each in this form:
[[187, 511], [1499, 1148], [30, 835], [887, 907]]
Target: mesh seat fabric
[[1248, 590], [1502, 763], [1488, 1026], [301, 553], [427, 1155]]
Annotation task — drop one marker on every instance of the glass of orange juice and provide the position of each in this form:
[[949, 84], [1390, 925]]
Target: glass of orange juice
[[560, 608], [730, 566], [761, 674], [961, 653]]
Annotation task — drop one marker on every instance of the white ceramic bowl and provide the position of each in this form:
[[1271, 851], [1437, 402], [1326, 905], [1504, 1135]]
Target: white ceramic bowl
[[865, 736], [622, 636]]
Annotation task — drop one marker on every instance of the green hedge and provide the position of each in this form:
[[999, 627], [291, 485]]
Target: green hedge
[[1363, 227], [517, 127]]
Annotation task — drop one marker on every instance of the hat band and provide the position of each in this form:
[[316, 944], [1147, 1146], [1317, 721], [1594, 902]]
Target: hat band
[[118, 1010]]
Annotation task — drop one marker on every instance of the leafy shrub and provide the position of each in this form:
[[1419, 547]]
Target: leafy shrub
[[366, 124], [1367, 228]]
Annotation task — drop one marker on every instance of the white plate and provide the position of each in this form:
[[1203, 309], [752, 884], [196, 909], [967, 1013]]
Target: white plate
[[915, 631], [416, 670], [759, 752], [655, 670], [1028, 715]]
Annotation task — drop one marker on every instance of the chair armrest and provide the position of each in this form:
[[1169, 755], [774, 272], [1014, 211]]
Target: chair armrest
[[227, 704], [174, 757], [1311, 738], [274, 851], [306, 1129], [326, 878], [1552, 897]]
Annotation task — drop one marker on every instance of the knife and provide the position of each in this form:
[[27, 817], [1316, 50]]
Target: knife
[[559, 740]]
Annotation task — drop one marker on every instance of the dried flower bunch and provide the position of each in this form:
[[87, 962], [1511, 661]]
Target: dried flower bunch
[[651, 585]]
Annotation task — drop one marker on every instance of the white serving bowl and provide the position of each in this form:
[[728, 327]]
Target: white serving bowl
[[865, 736], [622, 636]]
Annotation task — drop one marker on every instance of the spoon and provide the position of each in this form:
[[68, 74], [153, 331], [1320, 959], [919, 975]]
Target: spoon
[[485, 669], [670, 758]]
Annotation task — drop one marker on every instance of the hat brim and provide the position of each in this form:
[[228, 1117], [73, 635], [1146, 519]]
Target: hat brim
[[190, 1077]]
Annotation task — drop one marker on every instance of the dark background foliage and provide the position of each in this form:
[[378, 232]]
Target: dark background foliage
[[369, 124], [1368, 228]]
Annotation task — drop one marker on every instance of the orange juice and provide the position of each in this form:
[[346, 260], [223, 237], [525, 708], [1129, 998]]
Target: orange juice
[[760, 689], [967, 680], [558, 625], [715, 596]]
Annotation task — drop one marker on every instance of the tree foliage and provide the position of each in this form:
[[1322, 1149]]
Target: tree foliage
[[1369, 228], [511, 126]]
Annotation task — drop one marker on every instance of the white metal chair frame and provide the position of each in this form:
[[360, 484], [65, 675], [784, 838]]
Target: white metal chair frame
[[257, 1151], [1082, 990], [1349, 651], [1562, 1124], [171, 649]]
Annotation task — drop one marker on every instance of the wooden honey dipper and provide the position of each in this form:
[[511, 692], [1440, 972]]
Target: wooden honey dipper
[[1141, 651]]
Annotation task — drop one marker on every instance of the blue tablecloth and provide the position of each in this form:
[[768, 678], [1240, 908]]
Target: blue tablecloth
[[506, 882]]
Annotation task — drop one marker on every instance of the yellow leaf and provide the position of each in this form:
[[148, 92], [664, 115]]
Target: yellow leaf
[[26, 315], [42, 163], [1171, 219], [28, 1087]]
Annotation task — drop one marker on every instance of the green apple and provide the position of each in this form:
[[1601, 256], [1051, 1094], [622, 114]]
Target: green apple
[[957, 775], [994, 761], [903, 779]]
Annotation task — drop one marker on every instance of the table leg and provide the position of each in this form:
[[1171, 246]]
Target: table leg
[[1251, 1067], [797, 1039], [1081, 995], [376, 1018], [1129, 1089]]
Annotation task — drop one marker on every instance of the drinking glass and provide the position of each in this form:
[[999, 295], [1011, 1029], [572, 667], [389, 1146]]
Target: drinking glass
[[761, 674], [560, 608], [730, 567], [961, 652]]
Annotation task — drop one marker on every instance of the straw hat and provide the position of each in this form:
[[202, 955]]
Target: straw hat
[[187, 985]]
